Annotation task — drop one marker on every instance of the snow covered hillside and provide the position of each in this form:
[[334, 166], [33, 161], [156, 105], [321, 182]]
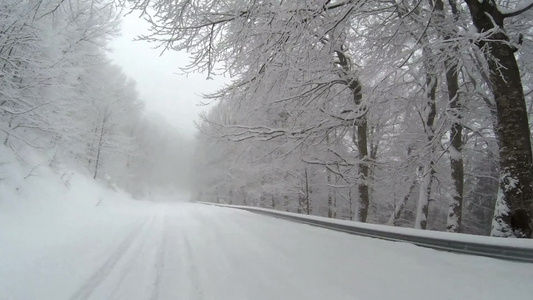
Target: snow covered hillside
[[76, 238]]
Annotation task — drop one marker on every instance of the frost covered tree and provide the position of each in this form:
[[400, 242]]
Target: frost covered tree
[[514, 208], [367, 90]]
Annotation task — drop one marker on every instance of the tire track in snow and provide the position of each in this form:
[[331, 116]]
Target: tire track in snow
[[160, 264], [133, 256], [192, 269], [85, 291]]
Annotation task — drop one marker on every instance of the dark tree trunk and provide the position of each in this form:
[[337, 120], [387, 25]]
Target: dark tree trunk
[[514, 207], [359, 137], [456, 145], [364, 195], [331, 209], [456, 162], [350, 202], [304, 201]]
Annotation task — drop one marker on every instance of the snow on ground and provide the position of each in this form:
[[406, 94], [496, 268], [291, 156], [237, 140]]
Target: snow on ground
[[89, 242]]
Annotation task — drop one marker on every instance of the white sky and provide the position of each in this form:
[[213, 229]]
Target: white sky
[[165, 92]]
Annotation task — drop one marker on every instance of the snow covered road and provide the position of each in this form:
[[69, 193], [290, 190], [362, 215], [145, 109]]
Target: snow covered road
[[192, 251]]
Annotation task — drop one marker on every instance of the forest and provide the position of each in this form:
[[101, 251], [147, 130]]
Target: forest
[[403, 112], [61, 95], [409, 113]]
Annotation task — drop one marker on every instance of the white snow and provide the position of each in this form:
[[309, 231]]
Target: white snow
[[56, 243], [454, 153]]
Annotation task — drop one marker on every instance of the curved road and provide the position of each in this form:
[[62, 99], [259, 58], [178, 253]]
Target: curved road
[[186, 251]]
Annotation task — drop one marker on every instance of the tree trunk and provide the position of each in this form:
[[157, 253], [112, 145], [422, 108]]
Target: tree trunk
[[307, 191], [455, 210], [331, 209], [244, 202], [430, 114], [359, 137], [99, 149], [424, 197], [350, 199], [513, 215], [6, 140], [453, 223], [398, 210], [364, 196]]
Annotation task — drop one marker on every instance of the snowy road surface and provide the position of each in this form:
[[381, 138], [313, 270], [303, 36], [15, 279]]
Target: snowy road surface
[[191, 251]]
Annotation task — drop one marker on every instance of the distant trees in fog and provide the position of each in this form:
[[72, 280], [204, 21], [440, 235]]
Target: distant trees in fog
[[59, 93]]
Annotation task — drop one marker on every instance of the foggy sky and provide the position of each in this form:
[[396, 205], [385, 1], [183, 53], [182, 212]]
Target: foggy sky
[[159, 83]]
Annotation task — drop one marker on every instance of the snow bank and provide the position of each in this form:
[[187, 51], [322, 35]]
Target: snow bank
[[45, 210]]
